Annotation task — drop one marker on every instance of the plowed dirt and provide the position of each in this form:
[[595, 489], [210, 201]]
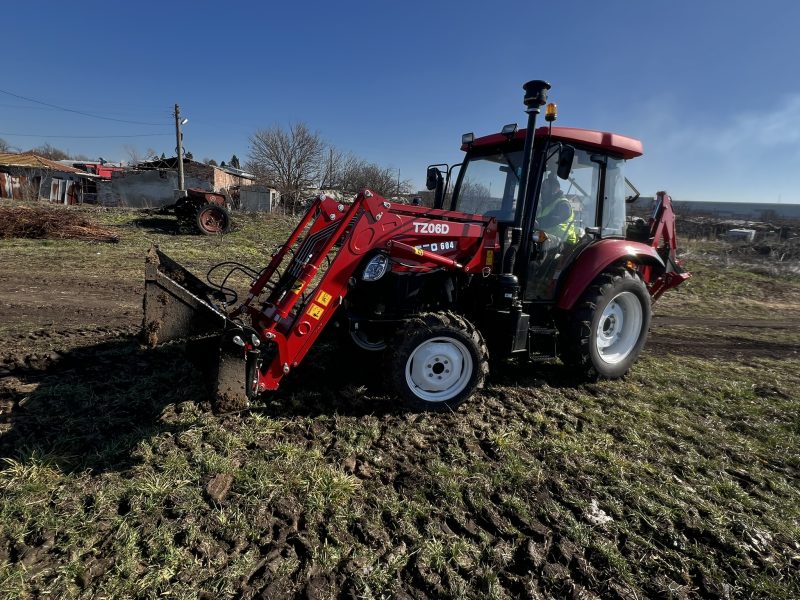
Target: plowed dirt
[[58, 310], [120, 482]]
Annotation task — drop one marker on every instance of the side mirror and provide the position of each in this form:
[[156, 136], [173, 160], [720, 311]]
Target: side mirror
[[435, 181], [434, 176], [565, 158]]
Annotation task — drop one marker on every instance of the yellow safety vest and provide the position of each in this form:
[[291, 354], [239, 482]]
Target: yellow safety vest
[[566, 231]]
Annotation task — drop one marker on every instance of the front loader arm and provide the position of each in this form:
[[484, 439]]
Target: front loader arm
[[337, 239]]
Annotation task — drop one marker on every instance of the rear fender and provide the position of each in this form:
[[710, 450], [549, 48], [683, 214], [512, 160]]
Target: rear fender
[[595, 259]]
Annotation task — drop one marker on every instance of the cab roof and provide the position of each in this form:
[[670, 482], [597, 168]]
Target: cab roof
[[612, 143]]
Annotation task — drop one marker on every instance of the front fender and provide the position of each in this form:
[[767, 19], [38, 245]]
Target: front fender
[[595, 259]]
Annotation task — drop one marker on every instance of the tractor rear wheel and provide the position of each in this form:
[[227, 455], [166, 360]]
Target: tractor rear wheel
[[436, 361], [608, 327], [213, 218]]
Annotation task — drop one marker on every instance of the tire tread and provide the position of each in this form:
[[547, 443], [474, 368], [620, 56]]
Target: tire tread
[[405, 341], [578, 328]]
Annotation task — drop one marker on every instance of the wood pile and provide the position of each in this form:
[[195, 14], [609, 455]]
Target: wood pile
[[51, 223]]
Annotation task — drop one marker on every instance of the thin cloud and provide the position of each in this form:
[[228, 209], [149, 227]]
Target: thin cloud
[[748, 156], [766, 129], [661, 123]]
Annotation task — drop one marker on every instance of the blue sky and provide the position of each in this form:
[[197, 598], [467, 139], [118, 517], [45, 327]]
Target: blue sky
[[711, 88]]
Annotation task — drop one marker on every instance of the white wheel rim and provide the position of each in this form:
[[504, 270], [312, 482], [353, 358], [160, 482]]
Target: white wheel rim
[[439, 369], [620, 328]]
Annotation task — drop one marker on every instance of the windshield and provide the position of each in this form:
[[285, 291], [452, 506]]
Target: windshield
[[489, 185]]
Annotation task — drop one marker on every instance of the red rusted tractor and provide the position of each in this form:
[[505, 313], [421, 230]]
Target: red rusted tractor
[[206, 211], [437, 291]]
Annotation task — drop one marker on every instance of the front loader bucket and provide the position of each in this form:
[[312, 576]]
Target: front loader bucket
[[177, 304]]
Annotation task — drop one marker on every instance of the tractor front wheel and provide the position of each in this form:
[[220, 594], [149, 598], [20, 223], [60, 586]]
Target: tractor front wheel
[[212, 219], [608, 327], [437, 361]]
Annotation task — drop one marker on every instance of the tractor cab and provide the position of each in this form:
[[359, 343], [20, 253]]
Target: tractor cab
[[579, 191]]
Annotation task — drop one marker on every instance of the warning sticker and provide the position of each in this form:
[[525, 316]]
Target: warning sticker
[[315, 311], [489, 258], [418, 251], [323, 298], [298, 287]]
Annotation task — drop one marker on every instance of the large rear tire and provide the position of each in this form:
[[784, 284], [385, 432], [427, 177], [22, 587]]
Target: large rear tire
[[212, 219], [608, 327], [436, 361]]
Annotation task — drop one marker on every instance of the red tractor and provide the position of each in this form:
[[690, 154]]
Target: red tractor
[[439, 290], [206, 211]]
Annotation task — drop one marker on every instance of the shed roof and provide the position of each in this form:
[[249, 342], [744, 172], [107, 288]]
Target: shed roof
[[31, 160], [172, 163]]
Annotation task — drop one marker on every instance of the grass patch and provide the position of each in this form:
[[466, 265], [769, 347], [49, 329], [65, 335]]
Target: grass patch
[[679, 481]]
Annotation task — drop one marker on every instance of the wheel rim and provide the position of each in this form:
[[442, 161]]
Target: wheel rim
[[620, 327], [213, 220], [439, 369]]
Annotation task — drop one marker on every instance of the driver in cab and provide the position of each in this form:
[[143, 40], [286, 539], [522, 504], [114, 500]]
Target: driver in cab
[[557, 219], [555, 215]]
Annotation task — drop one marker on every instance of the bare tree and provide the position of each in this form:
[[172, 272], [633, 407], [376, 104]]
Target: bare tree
[[338, 168], [4, 147], [357, 174], [351, 174], [134, 156], [297, 160], [290, 159], [51, 152], [475, 195]]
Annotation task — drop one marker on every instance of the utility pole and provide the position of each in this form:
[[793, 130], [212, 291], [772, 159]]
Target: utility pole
[[330, 168], [179, 148]]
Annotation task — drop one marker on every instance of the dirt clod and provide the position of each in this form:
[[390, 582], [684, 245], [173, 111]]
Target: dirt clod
[[219, 486]]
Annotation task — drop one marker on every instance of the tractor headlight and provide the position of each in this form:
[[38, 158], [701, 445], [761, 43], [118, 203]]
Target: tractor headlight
[[376, 268]]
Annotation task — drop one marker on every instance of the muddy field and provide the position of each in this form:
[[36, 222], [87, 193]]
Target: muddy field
[[679, 481]]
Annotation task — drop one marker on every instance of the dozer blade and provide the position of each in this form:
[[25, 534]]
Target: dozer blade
[[177, 304]]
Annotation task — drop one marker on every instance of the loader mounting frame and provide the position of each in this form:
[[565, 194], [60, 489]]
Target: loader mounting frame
[[291, 319]]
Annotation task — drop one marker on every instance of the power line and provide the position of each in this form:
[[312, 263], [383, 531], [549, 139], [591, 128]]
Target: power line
[[29, 107], [77, 112], [24, 107], [83, 137]]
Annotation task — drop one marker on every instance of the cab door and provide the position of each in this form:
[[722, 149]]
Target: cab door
[[566, 217]]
